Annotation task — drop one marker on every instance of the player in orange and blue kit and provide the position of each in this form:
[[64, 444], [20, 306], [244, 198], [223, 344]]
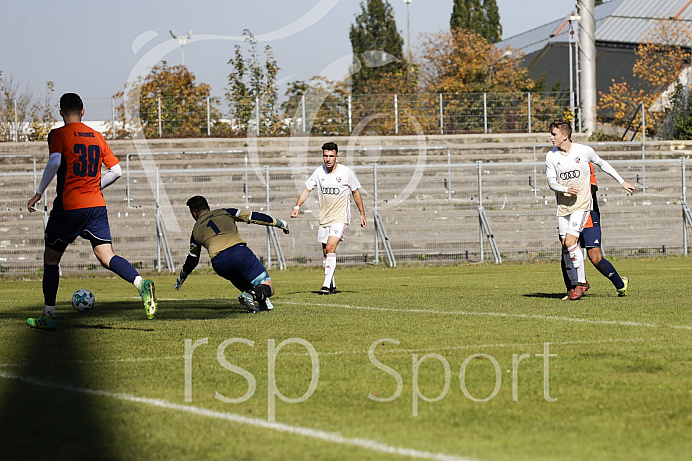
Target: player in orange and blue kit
[[590, 239], [79, 209]]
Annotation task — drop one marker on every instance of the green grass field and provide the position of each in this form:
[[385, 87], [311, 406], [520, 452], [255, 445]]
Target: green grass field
[[459, 353]]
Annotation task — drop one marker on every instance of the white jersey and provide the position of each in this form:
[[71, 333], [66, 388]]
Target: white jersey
[[333, 192], [565, 169]]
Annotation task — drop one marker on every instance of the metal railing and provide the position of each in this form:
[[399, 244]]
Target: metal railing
[[430, 212], [315, 114]]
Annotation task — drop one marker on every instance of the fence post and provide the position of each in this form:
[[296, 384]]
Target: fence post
[[302, 103], [485, 113], [16, 123], [257, 115], [158, 220], [350, 115], [396, 114], [113, 115], [269, 239], [247, 193], [374, 209], [160, 129], [442, 117], [208, 116], [449, 173], [684, 203], [643, 149], [480, 204], [529, 109]]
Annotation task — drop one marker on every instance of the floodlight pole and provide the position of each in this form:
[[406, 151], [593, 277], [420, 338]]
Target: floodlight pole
[[408, 28], [182, 41], [572, 39]]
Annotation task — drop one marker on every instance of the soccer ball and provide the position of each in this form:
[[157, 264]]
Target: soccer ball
[[83, 300]]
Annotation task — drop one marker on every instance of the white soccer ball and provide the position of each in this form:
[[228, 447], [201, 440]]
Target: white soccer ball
[[83, 300]]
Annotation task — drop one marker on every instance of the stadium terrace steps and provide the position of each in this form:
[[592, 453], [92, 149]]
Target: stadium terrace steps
[[428, 225]]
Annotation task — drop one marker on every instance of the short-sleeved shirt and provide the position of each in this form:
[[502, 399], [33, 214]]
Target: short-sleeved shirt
[[83, 151], [216, 230], [573, 169], [334, 193]]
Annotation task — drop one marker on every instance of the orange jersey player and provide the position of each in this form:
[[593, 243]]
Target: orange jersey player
[[79, 210], [82, 150]]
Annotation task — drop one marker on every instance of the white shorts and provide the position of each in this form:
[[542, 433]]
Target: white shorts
[[572, 223], [333, 230]]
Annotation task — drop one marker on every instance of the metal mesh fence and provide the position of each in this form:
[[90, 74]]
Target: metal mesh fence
[[429, 210], [316, 114]]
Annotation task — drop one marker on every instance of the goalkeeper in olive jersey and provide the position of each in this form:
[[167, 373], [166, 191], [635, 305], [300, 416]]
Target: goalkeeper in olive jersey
[[216, 231]]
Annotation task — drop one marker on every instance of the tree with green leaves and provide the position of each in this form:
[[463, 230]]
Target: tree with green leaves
[[252, 90], [479, 16], [378, 49]]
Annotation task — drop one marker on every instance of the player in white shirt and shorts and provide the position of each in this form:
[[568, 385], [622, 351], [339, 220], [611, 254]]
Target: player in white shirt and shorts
[[569, 175], [335, 184]]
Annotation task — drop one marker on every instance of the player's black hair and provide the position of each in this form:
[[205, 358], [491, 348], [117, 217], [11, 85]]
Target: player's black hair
[[563, 126], [330, 146], [71, 102], [197, 203]]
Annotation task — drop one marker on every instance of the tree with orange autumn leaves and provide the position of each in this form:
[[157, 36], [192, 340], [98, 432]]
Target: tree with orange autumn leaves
[[460, 61], [660, 60]]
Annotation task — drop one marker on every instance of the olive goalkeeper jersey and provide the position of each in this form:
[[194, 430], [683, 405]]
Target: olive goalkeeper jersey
[[216, 230]]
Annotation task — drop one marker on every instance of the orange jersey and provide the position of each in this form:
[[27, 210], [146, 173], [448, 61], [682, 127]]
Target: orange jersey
[[83, 151], [594, 201]]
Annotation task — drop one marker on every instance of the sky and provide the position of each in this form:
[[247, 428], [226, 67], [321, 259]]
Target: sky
[[95, 47]]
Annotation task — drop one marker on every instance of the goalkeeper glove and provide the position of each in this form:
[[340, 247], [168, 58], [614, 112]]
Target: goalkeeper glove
[[282, 225], [179, 281]]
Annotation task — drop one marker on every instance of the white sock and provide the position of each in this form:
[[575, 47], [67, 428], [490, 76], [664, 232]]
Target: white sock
[[577, 257], [329, 268], [49, 311], [137, 282], [569, 267]]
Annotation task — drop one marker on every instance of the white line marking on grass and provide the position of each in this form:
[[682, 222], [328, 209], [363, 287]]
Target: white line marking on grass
[[503, 314], [331, 437]]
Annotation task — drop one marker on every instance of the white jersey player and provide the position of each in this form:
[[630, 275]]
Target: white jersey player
[[569, 175], [335, 183]]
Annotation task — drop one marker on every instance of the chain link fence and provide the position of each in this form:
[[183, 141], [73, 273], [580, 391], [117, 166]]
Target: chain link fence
[[315, 115], [430, 210]]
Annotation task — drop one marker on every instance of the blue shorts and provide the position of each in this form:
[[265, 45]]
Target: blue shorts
[[239, 265], [64, 226], [591, 236]]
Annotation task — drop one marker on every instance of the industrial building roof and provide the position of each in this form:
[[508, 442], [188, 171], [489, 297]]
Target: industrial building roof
[[625, 22]]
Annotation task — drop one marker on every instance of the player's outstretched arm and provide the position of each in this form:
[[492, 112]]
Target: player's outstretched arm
[[359, 203], [31, 205], [180, 280], [301, 199], [52, 166]]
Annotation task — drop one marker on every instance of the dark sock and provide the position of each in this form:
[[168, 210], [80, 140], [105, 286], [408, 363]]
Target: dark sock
[[123, 268], [565, 277], [51, 281], [606, 268], [261, 292]]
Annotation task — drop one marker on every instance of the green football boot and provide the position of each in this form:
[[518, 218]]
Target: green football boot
[[42, 323], [146, 291]]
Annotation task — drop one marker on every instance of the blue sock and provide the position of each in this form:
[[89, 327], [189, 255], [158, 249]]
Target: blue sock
[[606, 268], [123, 268], [51, 281]]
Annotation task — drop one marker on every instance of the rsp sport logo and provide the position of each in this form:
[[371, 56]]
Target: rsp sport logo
[[331, 191], [569, 175]]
